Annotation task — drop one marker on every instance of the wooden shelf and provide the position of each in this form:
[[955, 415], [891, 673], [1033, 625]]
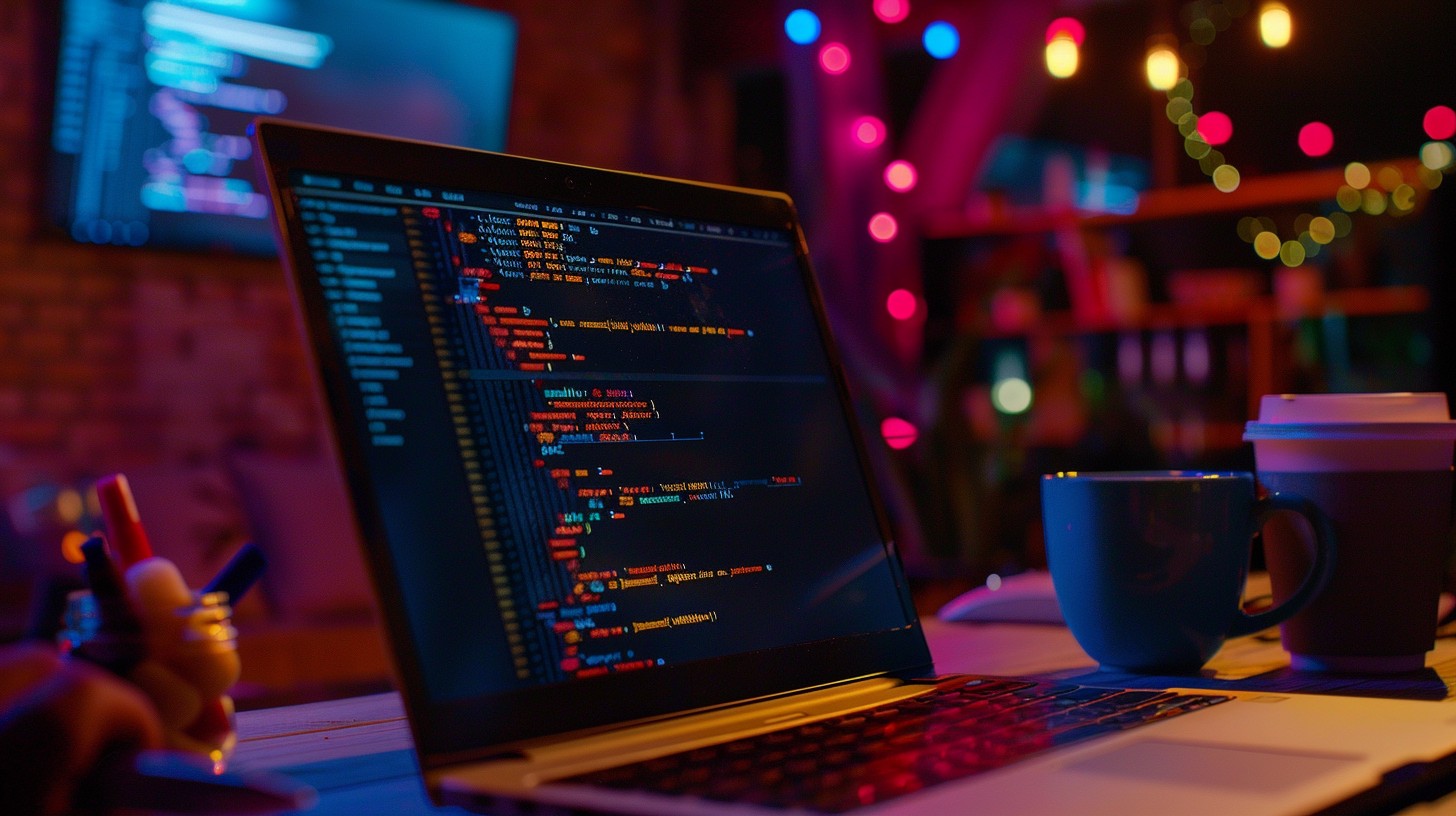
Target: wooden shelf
[[1253, 193], [1359, 302]]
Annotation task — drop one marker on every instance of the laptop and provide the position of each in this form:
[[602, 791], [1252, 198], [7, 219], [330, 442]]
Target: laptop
[[627, 541]]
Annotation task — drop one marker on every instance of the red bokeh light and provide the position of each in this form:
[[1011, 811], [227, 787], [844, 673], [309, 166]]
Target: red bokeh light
[[1316, 139], [1215, 127], [1440, 122], [901, 304], [898, 433], [1068, 27]]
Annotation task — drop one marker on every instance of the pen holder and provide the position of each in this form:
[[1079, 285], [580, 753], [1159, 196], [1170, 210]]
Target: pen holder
[[185, 659]]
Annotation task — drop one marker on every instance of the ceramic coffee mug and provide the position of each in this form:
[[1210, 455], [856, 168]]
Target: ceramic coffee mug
[[1149, 567]]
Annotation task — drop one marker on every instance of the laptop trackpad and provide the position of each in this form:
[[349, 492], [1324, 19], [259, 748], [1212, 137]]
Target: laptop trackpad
[[1212, 766]]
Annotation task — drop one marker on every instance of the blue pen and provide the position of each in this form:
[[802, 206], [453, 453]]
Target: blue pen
[[241, 572]]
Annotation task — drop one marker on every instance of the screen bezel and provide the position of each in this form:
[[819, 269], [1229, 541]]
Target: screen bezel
[[448, 731]]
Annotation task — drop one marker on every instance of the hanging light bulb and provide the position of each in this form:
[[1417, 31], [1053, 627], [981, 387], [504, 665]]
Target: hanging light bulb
[[1064, 37], [1276, 26], [1163, 67], [1062, 56]]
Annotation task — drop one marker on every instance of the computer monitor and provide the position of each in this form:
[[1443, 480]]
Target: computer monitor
[[152, 98]]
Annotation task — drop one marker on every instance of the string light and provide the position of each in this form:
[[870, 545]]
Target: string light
[[1162, 67], [1066, 27], [869, 131], [899, 434], [1064, 37], [834, 58], [883, 227], [802, 26], [902, 304], [1216, 128], [892, 11], [941, 40], [1439, 122], [1316, 139], [1062, 56], [1276, 26], [1357, 175], [900, 176]]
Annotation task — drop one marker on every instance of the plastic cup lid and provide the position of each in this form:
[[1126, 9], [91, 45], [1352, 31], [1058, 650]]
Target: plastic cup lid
[[1402, 407]]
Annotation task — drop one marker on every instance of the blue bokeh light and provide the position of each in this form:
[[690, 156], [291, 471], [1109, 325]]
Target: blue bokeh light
[[941, 39], [802, 26]]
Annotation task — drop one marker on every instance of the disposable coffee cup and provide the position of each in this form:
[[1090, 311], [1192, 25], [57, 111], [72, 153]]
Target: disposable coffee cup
[[1379, 468]]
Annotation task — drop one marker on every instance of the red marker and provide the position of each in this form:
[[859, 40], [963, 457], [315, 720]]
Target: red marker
[[124, 528]]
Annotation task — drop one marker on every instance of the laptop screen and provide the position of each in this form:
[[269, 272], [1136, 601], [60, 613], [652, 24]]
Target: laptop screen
[[598, 438]]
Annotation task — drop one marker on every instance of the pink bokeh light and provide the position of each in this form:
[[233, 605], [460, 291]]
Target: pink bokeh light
[[1440, 122], [869, 131], [1316, 139], [900, 176], [898, 433], [1068, 27], [834, 58], [901, 304], [883, 227], [1215, 127], [892, 11]]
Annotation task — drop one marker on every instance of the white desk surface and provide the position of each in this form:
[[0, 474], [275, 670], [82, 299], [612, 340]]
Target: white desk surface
[[357, 752]]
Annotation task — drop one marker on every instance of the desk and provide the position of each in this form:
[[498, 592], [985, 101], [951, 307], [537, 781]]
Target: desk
[[357, 752]]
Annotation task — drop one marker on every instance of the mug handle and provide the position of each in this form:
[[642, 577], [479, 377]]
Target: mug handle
[[1319, 572]]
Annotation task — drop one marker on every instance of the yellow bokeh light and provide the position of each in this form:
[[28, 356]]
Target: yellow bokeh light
[[1301, 222], [1357, 175], [69, 506], [1202, 31], [1177, 108], [1276, 26], [1291, 254], [1226, 178], [1430, 178], [1195, 147], [1342, 223], [1011, 395], [1373, 202], [1248, 228], [1188, 124], [1403, 197], [1389, 177], [1436, 155], [1266, 245], [1348, 198], [1322, 229], [1162, 67], [1062, 56], [1183, 89]]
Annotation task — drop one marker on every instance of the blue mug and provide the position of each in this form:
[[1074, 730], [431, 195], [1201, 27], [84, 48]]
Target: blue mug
[[1149, 567]]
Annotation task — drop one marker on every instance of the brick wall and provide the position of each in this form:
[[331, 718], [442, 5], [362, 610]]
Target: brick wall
[[113, 358]]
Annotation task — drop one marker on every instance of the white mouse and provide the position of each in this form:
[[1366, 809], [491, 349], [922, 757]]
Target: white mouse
[[1026, 597]]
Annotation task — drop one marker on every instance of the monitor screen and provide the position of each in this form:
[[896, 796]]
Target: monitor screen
[[152, 98]]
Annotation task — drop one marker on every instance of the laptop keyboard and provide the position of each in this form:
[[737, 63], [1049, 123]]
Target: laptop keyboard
[[963, 727]]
